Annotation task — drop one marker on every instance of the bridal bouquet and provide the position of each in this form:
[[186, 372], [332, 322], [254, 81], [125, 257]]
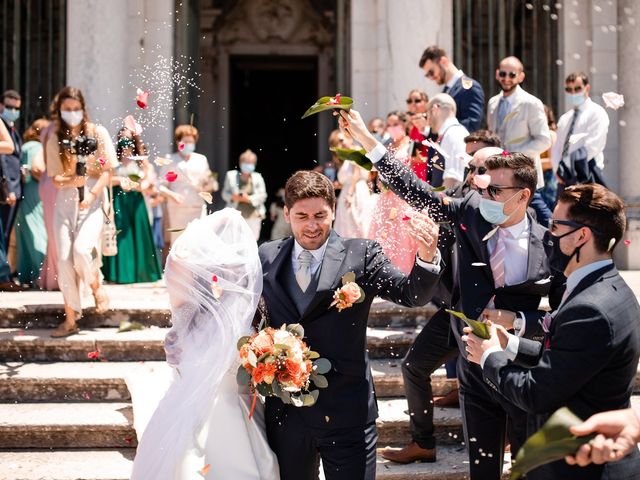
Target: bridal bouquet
[[277, 363]]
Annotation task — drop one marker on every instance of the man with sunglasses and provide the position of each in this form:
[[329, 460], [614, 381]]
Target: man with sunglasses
[[519, 120], [10, 104], [467, 92], [499, 260], [582, 135], [589, 356]]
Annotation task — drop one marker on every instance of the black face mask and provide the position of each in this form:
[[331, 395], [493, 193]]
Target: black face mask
[[558, 260]]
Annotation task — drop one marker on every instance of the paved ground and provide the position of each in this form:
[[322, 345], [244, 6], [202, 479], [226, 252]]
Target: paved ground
[[153, 295]]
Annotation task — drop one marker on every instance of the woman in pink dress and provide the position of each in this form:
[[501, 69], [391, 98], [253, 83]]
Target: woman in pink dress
[[390, 226], [49, 274]]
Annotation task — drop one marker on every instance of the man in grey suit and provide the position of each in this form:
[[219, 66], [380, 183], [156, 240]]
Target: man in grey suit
[[589, 357], [301, 275], [519, 120]]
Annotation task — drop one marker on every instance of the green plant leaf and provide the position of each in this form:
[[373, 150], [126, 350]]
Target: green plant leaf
[[134, 178], [309, 400], [324, 103], [552, 442], [480, 329], [362, 296], [242, 376], [127, 326], [319, 381], [322, 366], [313, 355], [242, 341], [264, 390], [281, 346], [348, 277], [356, 156], [296, 329]]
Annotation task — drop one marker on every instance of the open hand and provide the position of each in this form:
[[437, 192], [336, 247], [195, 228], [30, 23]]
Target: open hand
[[352, 125], [501, 317], [425, 231]]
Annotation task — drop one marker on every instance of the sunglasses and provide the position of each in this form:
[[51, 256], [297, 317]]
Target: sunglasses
[[430, 73], [495, 190], [413, 100], [503, 74], [473, 168], [576, 89]]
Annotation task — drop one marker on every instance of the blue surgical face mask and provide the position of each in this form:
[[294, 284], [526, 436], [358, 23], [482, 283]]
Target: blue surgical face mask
[[10, 115], [575, 99], [247, 167], [188, 147], [493, 211]]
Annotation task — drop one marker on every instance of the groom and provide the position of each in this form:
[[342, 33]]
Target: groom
[[300, 277]]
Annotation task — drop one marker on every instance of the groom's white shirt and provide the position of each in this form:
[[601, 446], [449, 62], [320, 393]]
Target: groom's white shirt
[[318, 255]]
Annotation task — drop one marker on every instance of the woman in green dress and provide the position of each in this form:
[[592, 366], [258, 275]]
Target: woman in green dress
[[136, 260], [31, 235]]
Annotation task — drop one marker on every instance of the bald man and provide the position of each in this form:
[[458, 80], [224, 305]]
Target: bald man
[[519, 120]]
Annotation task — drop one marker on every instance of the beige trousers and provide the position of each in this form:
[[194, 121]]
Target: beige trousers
[[78, 235]]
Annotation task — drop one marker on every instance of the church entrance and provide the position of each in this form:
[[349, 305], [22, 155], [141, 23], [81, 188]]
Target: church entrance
[[268, 95]]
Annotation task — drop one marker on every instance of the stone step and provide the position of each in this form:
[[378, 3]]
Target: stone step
[[110, 425], [104, 381], [150, 306], [18, 345], [116, 464]]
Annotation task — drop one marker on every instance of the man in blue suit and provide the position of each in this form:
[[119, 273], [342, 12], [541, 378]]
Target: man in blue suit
[[466, 91]]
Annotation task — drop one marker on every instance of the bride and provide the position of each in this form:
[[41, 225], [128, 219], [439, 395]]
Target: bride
[[202, 423]]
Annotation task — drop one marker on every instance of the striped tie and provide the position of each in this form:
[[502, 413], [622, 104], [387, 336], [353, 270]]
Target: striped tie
[[303, 275], [497, 259]]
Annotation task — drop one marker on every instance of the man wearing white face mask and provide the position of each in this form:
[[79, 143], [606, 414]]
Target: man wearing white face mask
[[183, 180], [246, 191], [582, 135]]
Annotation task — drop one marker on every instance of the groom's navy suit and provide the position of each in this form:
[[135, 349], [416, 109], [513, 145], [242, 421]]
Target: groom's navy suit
[[340, 427], [484, 410]]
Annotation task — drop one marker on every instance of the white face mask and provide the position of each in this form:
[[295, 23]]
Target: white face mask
[[72, 118]]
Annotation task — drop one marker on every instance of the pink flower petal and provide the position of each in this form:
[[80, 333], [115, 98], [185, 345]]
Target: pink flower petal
[[142, 98], [627, 242], [171, 176], [482, 181]]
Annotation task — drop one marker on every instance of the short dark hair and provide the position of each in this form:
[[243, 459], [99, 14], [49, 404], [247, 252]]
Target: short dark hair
[[12, 94], [308, 184], [489, 138], [398, 113], [599, 209], [523, 166], [433, 53], [573, 76]]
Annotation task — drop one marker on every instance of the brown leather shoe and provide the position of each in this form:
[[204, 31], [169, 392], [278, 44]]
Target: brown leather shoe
[[450, 400], [411, 453], [9, 286]]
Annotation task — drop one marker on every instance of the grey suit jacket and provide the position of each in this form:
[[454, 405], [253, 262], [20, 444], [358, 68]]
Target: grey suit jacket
[[524, 129]]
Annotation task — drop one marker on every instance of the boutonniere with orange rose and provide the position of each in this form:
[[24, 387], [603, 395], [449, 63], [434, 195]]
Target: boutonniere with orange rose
[[349, 294], [276, 362]]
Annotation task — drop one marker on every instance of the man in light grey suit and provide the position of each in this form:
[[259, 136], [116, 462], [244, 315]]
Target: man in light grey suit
[[519, 120]]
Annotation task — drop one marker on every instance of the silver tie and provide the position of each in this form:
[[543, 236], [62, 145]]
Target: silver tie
[[303, 275]]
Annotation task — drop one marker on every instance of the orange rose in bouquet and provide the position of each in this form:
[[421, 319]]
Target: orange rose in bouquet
[[277, 362]]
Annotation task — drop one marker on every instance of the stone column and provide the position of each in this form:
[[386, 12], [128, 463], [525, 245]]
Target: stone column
[[387, 39], [628, 257]]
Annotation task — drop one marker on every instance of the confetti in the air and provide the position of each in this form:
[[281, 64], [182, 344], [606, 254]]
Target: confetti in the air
[[93, 355], [482, 181], [130, 124], [478, 264], [142, 98], [467, 83], [204, 470], [162, 161], [627, 242], [613, 100], [180, 146], [171, 176]]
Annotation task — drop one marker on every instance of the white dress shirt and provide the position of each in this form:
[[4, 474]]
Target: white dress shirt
[[591, 127], [452, 135], [516, 244]]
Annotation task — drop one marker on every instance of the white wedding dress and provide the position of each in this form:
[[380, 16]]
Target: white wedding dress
[[201, 426]]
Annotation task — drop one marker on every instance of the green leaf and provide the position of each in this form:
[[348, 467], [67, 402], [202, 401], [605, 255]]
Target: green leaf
[[322, 365], [313, 355], [323, 104], [319, 381], [175, 230], [134, 178], [296, 329], [480, 329], [242, 341], [552, 442], [242, 376], [348, 277], [356, 156], [309, 400], [252, 359], [127, 326], [362, 296], [264, 390], [281, 346], [439, 189]]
